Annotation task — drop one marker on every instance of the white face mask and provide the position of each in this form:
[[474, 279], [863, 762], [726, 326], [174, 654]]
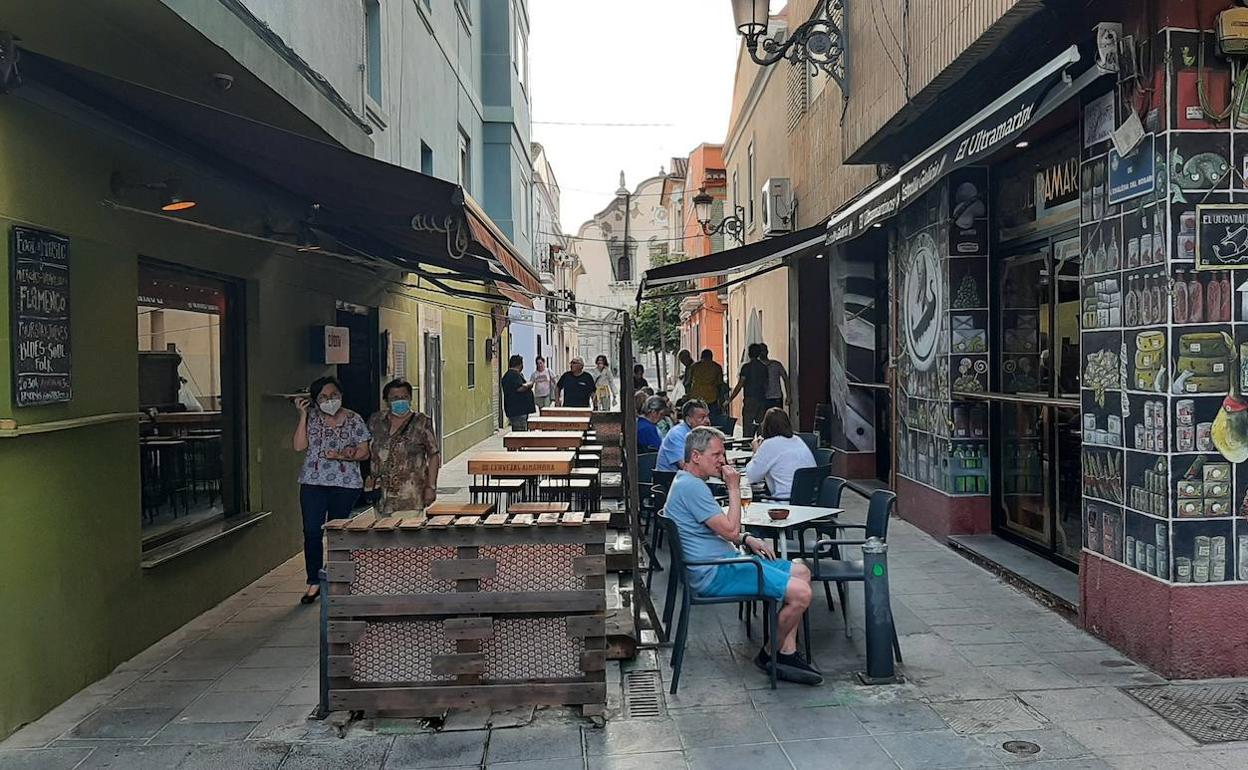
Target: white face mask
[[331, 406]]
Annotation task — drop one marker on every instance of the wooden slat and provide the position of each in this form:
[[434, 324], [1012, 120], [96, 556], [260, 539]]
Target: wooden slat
[[340, 571], [574, 518], [467, 521], [584, 626], [599, 518], [420, 700], [547, 519], [594, 660], [413, 522], [437, 522], [449, 508], [535, 508], [522, 520], [463, 569], [365, 520], [345, 631], [340, 666], [459, 663], [387, 524], [336, 523], [589, 565], [467, 603], [468, 628], [496, 520]]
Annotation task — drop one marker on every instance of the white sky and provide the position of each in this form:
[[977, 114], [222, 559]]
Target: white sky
[[637, 61]]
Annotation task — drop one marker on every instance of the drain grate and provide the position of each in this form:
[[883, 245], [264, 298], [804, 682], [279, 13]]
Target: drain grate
[[643, 694], [1209, 713]]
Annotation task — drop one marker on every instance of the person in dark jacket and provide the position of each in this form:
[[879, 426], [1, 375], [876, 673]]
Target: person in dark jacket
[[518, 401]]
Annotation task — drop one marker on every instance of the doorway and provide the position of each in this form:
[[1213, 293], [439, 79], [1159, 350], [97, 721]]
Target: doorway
[[361, 377], [433, 383], [1036, 479]]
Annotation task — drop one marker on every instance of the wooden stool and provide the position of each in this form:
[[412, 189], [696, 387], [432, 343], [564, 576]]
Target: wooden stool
[[537, 509], [481, 492], [589, 459], [569, 490], [593, 476]]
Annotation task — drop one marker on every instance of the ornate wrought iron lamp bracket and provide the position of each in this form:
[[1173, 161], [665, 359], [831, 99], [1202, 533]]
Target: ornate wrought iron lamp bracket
[[818, 43]]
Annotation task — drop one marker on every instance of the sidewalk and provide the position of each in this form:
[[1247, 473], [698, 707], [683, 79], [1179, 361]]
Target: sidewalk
[[985, 664]]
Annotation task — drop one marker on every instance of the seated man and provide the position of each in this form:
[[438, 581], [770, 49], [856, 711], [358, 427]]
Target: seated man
[[648, 438], [672, 452], [707, 532]]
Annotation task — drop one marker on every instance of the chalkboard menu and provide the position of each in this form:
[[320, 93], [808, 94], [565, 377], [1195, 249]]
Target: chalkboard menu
[[1222, 236], [40, 304]]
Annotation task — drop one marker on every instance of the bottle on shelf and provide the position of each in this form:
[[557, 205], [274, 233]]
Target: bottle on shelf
[[1195, 300], [1228, 297], [1178, 288], [1213, 297], [1158, 290]]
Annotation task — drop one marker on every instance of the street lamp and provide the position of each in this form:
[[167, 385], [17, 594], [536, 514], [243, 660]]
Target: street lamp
[[819, 42], [733, 225]]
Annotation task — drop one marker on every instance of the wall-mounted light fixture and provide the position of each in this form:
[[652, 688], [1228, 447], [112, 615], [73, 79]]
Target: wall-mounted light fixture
[[819, 42], [732, 225], [172, 196]]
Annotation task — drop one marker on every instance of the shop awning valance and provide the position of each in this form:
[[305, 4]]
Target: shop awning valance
[[996, 126], [383, 210], [736, 260]]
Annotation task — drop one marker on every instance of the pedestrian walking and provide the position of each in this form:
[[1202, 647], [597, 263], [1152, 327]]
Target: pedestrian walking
[[752, 380], [334, 441], [517, 394], [543, 381], [575, 386], [639, 378], [604, 385], [706, 382], [776, 374], [405, 454]]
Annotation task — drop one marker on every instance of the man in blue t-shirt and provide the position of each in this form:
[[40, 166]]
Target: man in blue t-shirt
[[693, 414], [648, 438], [708, 532]]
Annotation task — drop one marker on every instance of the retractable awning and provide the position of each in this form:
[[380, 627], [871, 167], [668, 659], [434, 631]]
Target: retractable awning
[[992, 128], [382, 210], [748, 257]]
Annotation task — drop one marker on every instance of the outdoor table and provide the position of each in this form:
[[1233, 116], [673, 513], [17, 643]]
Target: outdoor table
[[543, 439], [740, 456], [518, 464], [580, 424], [756, 517], [567, 411]]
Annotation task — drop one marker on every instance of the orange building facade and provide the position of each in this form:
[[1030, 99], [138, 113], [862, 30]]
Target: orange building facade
[[702, 315]]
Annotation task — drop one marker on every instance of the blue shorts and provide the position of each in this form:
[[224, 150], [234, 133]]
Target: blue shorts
[[742, 579]]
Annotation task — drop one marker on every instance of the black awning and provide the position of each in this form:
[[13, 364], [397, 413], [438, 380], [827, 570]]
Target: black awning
[[383, 210], [733, 260]]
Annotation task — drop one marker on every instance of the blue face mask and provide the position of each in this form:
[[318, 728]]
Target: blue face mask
[[400, 407]]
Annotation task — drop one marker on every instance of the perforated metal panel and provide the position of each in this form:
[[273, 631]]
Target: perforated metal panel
[[532, 648], [400, 651], [1210, 713], [398, 571], [542, 567]]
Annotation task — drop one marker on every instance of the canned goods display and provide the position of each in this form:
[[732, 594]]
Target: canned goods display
[[1185, 438], [1204, 437], [1183, 569], [1185, 411], [1242, 560], [1129, 553]]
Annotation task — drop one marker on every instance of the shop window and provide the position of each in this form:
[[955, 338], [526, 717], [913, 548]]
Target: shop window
[[190, 366], [426, 159], [749, 189], [472, 352], [465, 161], [372, 49]]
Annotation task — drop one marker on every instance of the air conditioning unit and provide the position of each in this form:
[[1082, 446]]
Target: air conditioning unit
[[777, 206]]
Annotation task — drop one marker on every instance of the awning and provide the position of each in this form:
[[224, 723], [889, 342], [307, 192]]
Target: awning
[[743, 258], [381, 210], [992, 128]]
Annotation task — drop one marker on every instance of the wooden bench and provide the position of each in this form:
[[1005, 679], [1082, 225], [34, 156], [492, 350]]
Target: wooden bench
[[483, 490], [539, 508], [455, 508]]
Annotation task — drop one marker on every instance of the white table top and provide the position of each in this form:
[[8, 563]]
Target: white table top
[[739, 455], [756, 515]]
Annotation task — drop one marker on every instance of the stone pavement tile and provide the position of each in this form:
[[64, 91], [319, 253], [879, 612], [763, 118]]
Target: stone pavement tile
[[114, 683], [437, 750], [279, 597], [169, 695], [858, 753], [231, 707], [252, 755], [1106, 737], [632, 736], [202, 732], [123, 723], [56, 722], [235, 647], [1087, 763], [987, 716], [1103, 665], [1053, 743], [1186, 760], [963, 616], [42, 759], [983, 633], [291, 723], [1062, 706], [898, 717], [935, 749], [281, 657], [259, 679], [667, 760], [182, 669], [1231, 759], [721, 726], [357, 754], [737, 757], [694, 692], [792, 695], [294, 636], [302, 695], [535, 742], [240, 629], [999, 654], [540, 764], [941, 601], [137, 758], [268, 615], [1038, 676], [796, 724], [1069, 639]]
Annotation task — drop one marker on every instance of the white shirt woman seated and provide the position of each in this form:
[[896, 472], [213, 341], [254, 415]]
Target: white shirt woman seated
[[778, 454]]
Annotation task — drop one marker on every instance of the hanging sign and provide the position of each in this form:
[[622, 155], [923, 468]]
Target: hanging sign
[[42, 361], [1134, 175], [1222, 236]]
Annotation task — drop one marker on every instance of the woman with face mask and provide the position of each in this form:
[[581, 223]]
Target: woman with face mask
[[406, 456], [335, 442]]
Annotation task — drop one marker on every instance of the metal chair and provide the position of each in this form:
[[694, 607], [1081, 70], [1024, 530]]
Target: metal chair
[[805, 487], [727, 425], [811, 439], [689, 598], [827, 566], [823, 456]]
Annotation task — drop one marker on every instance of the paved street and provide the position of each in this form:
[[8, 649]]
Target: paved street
[[985, 664]]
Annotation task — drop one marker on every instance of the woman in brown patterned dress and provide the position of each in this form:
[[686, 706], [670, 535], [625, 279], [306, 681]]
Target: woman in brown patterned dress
[[405, 451]]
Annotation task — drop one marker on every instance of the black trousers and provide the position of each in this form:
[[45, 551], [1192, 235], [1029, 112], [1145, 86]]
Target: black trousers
[[320, 504]]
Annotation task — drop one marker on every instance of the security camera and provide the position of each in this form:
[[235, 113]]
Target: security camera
[[222, 81]]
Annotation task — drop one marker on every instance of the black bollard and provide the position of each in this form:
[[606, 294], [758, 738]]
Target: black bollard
[[878, 615]]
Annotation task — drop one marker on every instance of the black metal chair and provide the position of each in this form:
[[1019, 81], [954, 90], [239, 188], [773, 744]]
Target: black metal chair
[[823, 456], [828, 566], [727, 425], [689, 598], [805, 487], [811, 439]]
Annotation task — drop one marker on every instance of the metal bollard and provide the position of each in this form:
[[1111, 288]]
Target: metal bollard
[[878, 615], [322, 709]]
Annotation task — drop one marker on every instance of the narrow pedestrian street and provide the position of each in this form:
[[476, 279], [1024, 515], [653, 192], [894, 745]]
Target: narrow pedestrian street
[[985, 664]]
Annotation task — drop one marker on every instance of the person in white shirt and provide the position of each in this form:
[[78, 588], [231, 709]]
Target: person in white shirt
[[778, 454], [543, 384], [776, 374]]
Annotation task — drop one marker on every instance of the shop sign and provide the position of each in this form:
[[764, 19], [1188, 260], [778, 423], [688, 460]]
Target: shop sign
[[41, 353], [1222, 236], [331, 344], [1134, 175], [1058, 184], [922, 300]]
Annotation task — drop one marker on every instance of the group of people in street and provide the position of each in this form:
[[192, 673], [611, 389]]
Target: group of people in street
[[575, 387], [399, 443], [763, 380]]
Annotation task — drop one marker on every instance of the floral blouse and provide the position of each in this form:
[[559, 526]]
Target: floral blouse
[[401, 460], [322, 436]]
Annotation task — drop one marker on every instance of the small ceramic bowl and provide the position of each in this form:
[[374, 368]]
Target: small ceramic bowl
[[778, 514]]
